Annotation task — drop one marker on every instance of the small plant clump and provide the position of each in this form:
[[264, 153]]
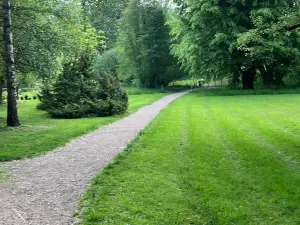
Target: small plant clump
[[80, 92]]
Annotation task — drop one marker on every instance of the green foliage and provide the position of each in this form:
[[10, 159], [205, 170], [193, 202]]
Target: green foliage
[[235, 39], [4, 95], [107, 63], [48, 32], [79, 92], [105, 15], [144, 46]]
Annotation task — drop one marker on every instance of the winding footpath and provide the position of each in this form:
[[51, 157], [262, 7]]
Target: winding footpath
[[46, 190]]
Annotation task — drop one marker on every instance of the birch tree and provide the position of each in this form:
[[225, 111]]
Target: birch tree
[[12, 111]]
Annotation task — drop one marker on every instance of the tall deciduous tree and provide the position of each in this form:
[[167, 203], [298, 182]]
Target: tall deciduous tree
[[105, 16], [221, 38], [12, 112], [46, 34], [144, 43]]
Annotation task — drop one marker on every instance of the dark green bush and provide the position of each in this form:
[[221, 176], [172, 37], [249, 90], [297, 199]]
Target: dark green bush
[[26, 97], [34, 97], [79, 92], [22, 98]]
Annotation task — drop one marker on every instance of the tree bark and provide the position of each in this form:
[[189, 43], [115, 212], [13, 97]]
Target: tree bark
[[12, 111], [279, 79], [267, 75]]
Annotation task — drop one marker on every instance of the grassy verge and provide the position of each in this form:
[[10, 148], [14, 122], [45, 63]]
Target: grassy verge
[[40, 133], [206, 160], [224, 91]]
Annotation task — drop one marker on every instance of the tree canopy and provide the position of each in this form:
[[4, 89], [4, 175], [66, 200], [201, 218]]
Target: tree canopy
[[236, 39], [144, 43], [147, 43]]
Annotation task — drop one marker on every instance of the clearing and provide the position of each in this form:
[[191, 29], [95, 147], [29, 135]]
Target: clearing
[[206, 160]]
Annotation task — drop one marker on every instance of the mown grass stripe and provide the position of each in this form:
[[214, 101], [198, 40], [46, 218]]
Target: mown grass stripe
[[204, 160]]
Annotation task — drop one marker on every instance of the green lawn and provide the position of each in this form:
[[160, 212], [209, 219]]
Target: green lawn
[[206, 160], [40, 133]]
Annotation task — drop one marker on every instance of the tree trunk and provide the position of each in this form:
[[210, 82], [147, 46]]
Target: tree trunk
[[279, 79], [1, 91], [267, 76], [248, 79], [12, 111]]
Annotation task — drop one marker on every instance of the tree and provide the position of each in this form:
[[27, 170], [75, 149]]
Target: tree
[[87, 93], [107, 63], [12, 112], [105, 16], [219, 37], [144, 43], [46, 34]]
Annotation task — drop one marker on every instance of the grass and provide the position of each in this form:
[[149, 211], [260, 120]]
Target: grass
[[206, 160], [40, 133], [224, 91], [137, 91]]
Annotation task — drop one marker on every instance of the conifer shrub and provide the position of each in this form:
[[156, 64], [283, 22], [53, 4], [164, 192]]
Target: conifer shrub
[[81, 92]]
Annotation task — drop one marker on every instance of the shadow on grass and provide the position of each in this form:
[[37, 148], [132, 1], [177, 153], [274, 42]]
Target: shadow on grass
[[24, 128]]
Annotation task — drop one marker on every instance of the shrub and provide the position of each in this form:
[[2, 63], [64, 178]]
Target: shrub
[[34, 97], [26, 97], [22, 98], [79, 92]]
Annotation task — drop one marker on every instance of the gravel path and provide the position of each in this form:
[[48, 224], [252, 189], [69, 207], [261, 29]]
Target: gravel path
[[45, 190]]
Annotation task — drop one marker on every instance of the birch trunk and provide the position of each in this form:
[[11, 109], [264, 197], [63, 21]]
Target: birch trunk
[[12, 111]]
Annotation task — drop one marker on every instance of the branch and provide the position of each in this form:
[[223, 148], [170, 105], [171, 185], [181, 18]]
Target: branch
[[293, 27]]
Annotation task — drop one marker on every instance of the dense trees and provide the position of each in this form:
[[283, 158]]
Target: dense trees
[[46, 33], [237, 39], [242, 40], [105, 15], [144, 43]]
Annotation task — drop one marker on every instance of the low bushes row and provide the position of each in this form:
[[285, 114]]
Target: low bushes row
[[26, 97]]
